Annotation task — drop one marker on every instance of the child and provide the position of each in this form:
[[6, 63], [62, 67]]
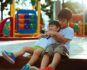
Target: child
[[64, 36], [36, 49]]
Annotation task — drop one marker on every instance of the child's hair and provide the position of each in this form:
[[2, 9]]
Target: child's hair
[[54, 22], [65, 13]]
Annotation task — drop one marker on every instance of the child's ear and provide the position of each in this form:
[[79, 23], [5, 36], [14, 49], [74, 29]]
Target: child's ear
[[58, 28]]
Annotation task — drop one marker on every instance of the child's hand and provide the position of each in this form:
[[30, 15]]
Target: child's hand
[[41, 35], [50, 33]]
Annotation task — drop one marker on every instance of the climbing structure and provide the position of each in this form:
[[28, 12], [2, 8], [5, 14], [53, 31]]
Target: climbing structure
[[26, 22]]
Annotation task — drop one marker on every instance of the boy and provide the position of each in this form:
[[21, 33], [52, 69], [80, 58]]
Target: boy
[[36, 49], [64, 36]]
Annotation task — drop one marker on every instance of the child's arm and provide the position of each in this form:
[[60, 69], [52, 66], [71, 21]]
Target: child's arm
[[57, 36]]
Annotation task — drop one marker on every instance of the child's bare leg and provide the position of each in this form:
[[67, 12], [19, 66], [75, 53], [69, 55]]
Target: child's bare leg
[[55, 61], [45, 61], [35, 56], [25, 49]]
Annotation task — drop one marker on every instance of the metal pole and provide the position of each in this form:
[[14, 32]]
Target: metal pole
[[56, 9]]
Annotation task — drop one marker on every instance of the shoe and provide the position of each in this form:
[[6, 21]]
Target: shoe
[[9, 56], [26, 67], [48, 68], [34, 68]]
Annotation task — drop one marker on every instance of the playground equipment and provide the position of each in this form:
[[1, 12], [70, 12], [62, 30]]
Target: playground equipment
[[2, 23], [79, 25], [25, 24]]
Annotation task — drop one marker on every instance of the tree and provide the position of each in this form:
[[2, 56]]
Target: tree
[[49, 12], [3, 5]]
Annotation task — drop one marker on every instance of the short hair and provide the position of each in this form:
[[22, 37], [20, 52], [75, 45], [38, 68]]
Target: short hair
[[65, 13], [54, 22]]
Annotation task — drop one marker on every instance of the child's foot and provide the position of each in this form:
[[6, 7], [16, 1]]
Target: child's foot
[[9, 56], [34, 68], [26, 67]]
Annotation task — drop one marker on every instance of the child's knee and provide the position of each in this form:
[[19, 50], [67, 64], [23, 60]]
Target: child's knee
[[28, 49], [38, 51]]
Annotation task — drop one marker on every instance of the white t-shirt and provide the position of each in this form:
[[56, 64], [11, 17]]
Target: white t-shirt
[[44, 42], [67, 33]]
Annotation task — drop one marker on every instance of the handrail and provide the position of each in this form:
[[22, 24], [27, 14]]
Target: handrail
[[3, 22]]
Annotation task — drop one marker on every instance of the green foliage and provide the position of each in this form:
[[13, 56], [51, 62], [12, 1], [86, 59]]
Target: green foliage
[[5, 4], [1, 0], [48, 11], [33, 2], [9, 1]]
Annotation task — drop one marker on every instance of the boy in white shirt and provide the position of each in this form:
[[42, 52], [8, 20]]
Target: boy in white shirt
[[64, 36]]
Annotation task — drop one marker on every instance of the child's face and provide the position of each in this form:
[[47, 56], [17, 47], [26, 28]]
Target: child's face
[[53, 28], [63, 23]]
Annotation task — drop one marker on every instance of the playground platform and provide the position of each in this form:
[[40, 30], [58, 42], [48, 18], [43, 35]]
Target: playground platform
[[77, 61]]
